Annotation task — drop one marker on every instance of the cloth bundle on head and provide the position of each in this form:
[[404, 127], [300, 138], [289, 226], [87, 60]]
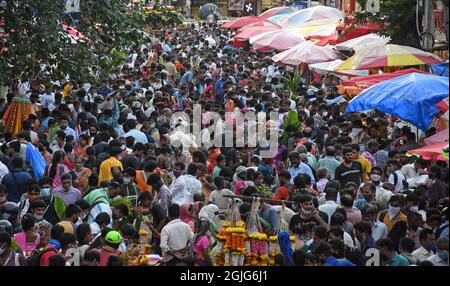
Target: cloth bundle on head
[[209, 213]]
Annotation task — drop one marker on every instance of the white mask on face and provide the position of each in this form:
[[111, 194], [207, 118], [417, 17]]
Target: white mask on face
[[38, 217], [393, 211], [375, 177]]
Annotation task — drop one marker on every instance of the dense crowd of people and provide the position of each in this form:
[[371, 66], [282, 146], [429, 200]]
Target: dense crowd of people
[[113, 177]]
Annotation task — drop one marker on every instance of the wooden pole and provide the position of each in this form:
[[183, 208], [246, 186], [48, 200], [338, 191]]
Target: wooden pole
[[261, 199]]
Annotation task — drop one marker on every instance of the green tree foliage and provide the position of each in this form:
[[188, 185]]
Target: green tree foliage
[[398, 18], [37, 44]]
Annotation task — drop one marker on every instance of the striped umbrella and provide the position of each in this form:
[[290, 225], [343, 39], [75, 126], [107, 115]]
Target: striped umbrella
[[388, 56], [277, 11]]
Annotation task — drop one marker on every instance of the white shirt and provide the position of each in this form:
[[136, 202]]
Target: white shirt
[[138, 136], [3, 171], [400, 178], [329, 207], [409, 171], [47, 99], [178, 191], [348, 240], [192, 186], [175, 236], [421, 254], [379, 230], [437, 261]]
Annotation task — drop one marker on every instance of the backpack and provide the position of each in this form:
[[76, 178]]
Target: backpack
[[405, 183], [35, 259]]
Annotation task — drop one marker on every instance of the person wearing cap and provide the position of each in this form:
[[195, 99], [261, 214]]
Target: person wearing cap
[[99, 200], [112, 240], [8, 256]]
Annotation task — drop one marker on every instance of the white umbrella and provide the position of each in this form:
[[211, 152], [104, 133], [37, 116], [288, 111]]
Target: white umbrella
[[364, 42]]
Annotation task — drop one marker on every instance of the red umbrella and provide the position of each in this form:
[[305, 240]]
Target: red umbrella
[[433, 151], [241, 22], [367, 81], [260, 24]]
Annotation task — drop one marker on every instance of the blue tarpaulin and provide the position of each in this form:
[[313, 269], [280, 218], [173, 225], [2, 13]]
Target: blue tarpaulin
[[411, 98], [440, 69]]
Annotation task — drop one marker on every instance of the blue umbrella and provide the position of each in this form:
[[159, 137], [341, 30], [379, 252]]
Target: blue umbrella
[[440, 69], [410, 97]]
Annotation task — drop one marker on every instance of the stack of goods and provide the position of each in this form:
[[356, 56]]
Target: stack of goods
[[138, 254], [231, 244], [258, 249]]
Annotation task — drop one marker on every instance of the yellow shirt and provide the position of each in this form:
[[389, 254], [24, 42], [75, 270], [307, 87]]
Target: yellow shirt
[[391, 222], [367, 168], [105, 169]]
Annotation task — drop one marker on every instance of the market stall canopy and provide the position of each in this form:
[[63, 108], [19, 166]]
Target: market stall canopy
[[440, 69], [260, 24], [364, 42], [328, 67], [368, 81], [312, 14], [412, 98], [433, 151], [279, 40], [324, 41], [388, 56], [247, 33], [317, 29], [437, 138], [241, 22], [278, 11], [305, 52]]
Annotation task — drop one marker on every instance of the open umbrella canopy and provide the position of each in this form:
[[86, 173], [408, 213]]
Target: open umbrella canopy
[[412, 98], [277, 12], [368, 81], [247, 33], [388, 56], [328, 67], [311, 14], [364, 42], [433, 151], [317, 29], [305, 52], [437, 138], [241, 22], [279, 40], [260, 24]]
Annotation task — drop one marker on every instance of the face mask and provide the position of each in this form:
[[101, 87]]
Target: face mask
[[126, 180], [78, 222], [3, 249], [2, 199], [176, 174], [38, 217], [46, 192], [393, 211], [430, 246], [375, 177], [443, 254]]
